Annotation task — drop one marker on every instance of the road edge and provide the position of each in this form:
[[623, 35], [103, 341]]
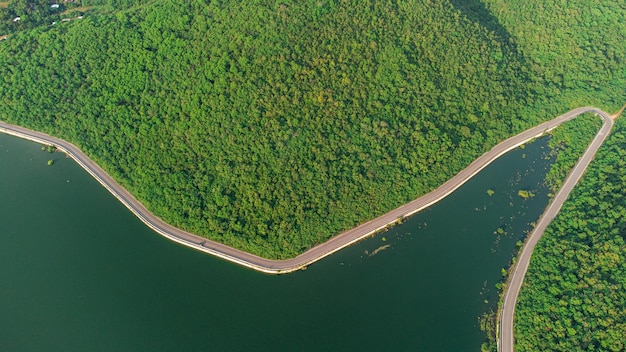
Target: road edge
[[505, 324], [316, 253]]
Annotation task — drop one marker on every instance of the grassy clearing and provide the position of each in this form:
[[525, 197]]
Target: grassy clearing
[[76, 9]]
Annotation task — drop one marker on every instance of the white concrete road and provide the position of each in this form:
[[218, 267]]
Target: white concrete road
[[316, 253]]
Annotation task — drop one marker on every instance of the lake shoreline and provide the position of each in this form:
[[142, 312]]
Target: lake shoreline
[[316, 253]]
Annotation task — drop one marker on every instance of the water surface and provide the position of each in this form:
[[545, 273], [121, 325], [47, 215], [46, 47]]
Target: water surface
[[78, 272]]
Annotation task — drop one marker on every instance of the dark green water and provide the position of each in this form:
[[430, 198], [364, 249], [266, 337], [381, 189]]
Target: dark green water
[[78, 272]]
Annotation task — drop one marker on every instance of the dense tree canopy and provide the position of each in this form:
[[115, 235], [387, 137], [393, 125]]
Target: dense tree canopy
[[271, 126], [574, 49]]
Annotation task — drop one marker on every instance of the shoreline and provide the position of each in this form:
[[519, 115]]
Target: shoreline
[[318, 252], [517, 272]]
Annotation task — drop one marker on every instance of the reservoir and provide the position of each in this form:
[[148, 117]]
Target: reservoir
[[79, 272]]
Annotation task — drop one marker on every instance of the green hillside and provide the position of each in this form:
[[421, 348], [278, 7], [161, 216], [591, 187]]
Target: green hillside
[[272, 126], [574, 49], [269, 127]]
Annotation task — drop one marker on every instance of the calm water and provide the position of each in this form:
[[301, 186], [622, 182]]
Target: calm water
[[78, 272]]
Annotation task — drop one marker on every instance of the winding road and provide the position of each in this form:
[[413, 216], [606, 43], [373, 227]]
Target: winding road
[[506, 340], [337, 242]]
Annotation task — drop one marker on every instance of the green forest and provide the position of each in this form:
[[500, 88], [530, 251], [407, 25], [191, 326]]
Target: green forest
[[574, 49], [574, 295], [273, 125], [227, 121]]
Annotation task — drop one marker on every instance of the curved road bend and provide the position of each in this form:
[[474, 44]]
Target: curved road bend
[[505, 341], [314, 254]]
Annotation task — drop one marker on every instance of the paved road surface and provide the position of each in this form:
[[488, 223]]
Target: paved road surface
[[314, 254], [505, 341]]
